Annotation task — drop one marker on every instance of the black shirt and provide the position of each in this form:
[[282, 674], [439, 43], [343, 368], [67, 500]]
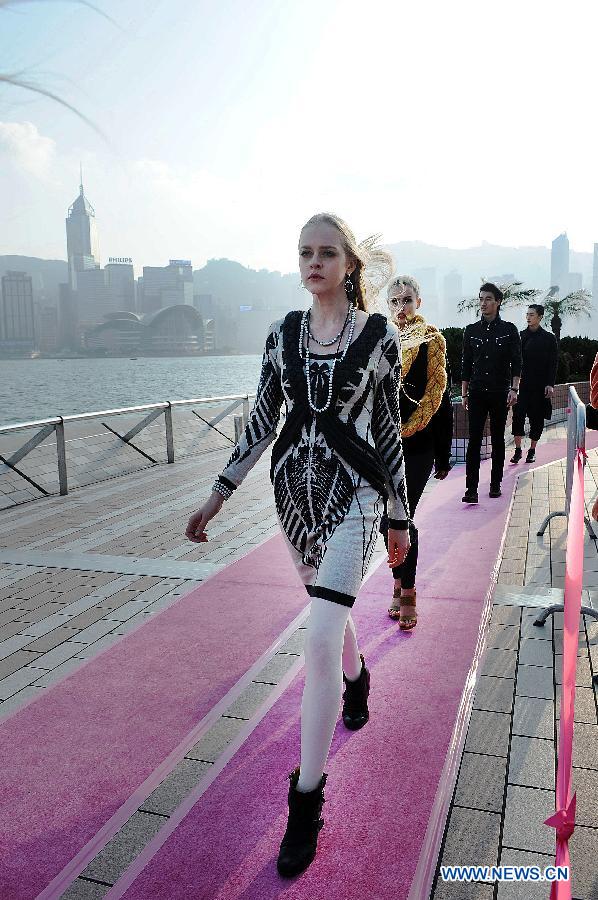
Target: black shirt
[[491, 355], [540, 357]]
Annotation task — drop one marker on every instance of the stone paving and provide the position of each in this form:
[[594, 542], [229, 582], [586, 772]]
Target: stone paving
[[77, 572], [505, 788]]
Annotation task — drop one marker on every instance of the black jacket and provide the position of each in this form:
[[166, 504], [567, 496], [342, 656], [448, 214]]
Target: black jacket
[[491, 355], [438, 433], [540, 357]]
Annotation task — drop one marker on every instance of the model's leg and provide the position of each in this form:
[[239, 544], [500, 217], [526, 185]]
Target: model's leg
[[326, 629], [518, 427], [536, 425], [351, 657], [478, 411], [418, 466], [394, 610], [498, 420]]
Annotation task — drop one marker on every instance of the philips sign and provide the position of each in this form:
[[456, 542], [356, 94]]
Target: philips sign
[[120, 260]]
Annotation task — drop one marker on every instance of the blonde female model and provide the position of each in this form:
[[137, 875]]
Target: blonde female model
[[337, 458]]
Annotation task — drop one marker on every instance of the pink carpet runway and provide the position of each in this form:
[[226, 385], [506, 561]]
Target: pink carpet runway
[[222, 843], [73, 757], [79, 760]]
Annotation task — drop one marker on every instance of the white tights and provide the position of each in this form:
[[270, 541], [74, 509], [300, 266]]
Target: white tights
[[330, 649]]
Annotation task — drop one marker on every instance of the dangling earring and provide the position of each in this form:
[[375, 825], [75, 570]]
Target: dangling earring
[[349, 288]]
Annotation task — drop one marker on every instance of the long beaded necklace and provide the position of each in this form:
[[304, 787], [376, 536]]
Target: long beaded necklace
[[304, 332]]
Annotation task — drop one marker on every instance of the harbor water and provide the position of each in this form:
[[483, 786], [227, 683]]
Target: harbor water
[[33, 389]]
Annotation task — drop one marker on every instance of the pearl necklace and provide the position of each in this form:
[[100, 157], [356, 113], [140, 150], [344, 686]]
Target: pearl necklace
[[304, 332]]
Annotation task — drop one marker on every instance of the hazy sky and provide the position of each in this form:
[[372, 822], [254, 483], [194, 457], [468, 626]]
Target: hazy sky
[[228, 123]]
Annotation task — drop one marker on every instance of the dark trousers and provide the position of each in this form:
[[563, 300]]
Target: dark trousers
[[418, 467], [481, 405], [530, 404]]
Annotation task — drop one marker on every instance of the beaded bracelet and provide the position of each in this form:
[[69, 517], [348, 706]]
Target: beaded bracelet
[[222, 489]]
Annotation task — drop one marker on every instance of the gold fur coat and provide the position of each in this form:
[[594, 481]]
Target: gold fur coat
[[415, 333]]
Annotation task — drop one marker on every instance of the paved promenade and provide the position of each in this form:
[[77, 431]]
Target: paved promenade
[[77, 573], [506, 781]]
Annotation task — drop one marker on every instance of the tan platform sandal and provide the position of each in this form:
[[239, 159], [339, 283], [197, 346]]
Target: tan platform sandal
[[394, 610], [408, 620]]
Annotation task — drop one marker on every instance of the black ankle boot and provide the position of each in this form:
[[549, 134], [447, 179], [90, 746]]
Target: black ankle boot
[[355, 699], [300, 840]]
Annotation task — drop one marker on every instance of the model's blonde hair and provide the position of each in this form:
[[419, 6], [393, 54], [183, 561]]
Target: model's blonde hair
[[373, 265], [403, 281]]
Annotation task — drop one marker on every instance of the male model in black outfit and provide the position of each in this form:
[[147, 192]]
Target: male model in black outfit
[[490, 372], [540, 357]]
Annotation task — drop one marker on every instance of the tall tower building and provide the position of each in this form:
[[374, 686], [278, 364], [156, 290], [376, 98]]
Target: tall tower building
[[120, 280], [559, 262], [167, 285], [82, 245], [453, 286], [17, 329]]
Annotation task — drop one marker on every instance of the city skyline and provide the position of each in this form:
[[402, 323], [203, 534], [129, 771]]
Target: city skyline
[[104, 307], [221, 141]]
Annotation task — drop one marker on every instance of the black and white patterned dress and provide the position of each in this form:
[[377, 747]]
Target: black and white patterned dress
[[331, 471]]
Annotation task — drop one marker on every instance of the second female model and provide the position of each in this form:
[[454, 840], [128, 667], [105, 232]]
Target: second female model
[[427, 425], [337, 459]]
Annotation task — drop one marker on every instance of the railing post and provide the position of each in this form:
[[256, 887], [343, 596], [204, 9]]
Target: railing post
[[245, 411], [239, 428], [169, 433], [61, 452]]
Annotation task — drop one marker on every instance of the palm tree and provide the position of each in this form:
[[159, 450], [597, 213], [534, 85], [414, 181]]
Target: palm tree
[[514, 294], [574, 304]]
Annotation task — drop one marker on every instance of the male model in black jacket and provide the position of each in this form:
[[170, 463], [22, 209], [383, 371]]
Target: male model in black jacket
[[540, 357], [490, 372]]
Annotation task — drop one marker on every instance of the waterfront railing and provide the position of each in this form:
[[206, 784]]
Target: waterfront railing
[[71, 451]]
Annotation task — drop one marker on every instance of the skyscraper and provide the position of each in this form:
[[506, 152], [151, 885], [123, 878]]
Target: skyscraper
[[82, 245], [120, 281], [17, 330], [426, 279], [559, 261], [167, 285]]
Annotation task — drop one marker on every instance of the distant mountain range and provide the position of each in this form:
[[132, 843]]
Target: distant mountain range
[[232, 284]]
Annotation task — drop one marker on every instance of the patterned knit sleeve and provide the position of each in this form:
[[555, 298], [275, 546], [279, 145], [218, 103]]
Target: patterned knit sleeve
[[261, 426], [386, 427]]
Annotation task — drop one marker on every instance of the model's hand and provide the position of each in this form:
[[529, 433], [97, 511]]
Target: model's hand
[[398, 546], [196, 526], [441, 474], [549, 391], [465, 401], [595, 510], [512, 397]]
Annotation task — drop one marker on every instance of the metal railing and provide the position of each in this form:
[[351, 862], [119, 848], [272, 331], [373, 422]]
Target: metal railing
[[55, 426], [576, 440]]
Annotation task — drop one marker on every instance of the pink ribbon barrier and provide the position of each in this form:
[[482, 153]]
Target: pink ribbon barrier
[[564, 818]]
